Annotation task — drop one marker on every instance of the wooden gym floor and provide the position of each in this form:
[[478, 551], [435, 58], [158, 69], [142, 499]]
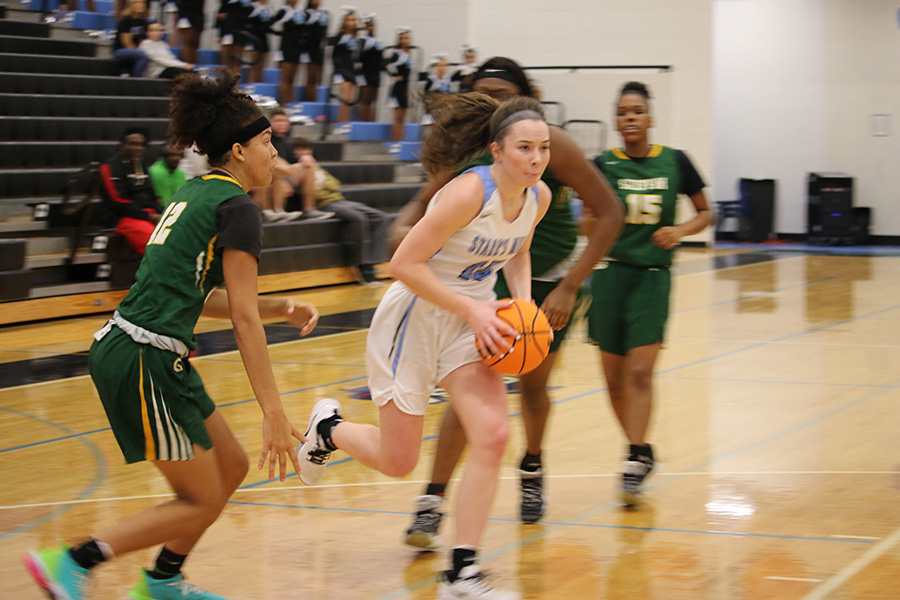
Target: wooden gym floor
[[777, 422]]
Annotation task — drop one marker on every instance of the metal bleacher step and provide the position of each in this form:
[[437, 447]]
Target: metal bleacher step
[[47, 246], [19, 227], [66, 289], [42, 261], [366, 151]]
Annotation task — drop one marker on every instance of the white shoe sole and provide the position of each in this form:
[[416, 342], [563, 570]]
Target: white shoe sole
[[422, 541], [632, 499], [310, 472]]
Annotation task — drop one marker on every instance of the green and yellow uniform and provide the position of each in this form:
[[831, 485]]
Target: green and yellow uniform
[[630, 303], [154, 399]]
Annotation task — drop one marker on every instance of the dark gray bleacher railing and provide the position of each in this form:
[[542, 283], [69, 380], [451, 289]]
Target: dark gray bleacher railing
[[555, 111], [663, 68], [584, 131]]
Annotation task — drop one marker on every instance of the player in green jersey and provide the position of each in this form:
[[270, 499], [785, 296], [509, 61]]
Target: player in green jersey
[[630, 289], [558, 270], [159, 411]]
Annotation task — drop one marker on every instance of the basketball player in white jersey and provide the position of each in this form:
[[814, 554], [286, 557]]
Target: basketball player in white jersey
[[424, 330]]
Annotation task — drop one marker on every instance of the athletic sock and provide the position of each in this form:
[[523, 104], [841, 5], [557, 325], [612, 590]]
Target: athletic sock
[[91, 554], [168, 564], [436, 489], [463, 556], [643, 451], [531, 462]]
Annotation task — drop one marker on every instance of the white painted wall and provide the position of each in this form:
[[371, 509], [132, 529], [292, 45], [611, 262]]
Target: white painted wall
[[610, 32], [864, 80], [769, 99], [794, 85]]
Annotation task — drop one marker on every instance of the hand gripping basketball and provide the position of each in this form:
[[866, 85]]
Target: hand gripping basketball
[[529, 349]]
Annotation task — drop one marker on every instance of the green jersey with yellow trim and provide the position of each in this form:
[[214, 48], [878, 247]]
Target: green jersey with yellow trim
[[181, 264], [556, 234], [648, 189]]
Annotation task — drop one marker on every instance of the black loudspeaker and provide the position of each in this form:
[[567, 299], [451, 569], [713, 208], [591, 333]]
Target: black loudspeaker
[[829, 216], [758, 203], [862, 218]]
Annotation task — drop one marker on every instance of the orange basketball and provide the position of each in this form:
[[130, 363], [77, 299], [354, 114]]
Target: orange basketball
[[531, 348]]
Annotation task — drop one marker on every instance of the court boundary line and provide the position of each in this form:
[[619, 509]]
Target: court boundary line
[[606, 506], [363, 484], [850, 570]]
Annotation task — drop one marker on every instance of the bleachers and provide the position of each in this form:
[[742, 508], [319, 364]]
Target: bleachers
[[45, 46], [79, 85], [76, 129], [60, 105], [70, 65], [62, 108]]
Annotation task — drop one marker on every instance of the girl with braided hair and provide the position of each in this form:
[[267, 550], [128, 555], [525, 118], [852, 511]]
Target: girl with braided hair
[[156, 404]]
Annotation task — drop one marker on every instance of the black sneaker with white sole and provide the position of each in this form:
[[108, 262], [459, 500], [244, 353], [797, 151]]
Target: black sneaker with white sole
[[423, 533], [534, 501], [635, 472]]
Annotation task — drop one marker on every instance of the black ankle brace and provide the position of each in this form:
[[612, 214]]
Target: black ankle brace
[[324, 430]]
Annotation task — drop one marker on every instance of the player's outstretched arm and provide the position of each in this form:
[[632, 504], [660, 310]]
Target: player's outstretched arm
[[302, 315], [240, 270]]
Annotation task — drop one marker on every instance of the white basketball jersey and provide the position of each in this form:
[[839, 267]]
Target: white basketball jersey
[[468, 262]]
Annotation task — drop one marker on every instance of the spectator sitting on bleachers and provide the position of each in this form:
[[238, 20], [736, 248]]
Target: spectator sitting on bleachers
[[162, 62], [364, 227], [273, 198], [166, 176], [130, 32], [129, 200]]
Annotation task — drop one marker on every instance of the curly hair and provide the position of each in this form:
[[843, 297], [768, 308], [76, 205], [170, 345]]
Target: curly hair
[[207, 111], [465, 125]]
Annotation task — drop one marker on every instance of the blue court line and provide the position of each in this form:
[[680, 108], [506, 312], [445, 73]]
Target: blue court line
[[228, 404], [757, 296], [775, 382], [90, 488], [672, 369], [405, 513], [299, 363], [523, 542], [752, 346], [778, 339], [59, 439], [553, 527]]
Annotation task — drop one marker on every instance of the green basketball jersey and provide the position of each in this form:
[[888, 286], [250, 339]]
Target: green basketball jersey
[[649, 190], [556, 234], [181, 264]]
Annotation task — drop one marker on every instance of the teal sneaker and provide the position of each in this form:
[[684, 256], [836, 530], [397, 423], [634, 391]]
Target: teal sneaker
[[174, 588], [57, 573]]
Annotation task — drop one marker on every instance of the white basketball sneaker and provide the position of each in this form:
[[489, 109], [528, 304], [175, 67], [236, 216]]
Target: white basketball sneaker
[[313, 453], [472, 585]]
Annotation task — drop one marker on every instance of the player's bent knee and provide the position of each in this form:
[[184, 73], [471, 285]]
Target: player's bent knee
[[492, 440]]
